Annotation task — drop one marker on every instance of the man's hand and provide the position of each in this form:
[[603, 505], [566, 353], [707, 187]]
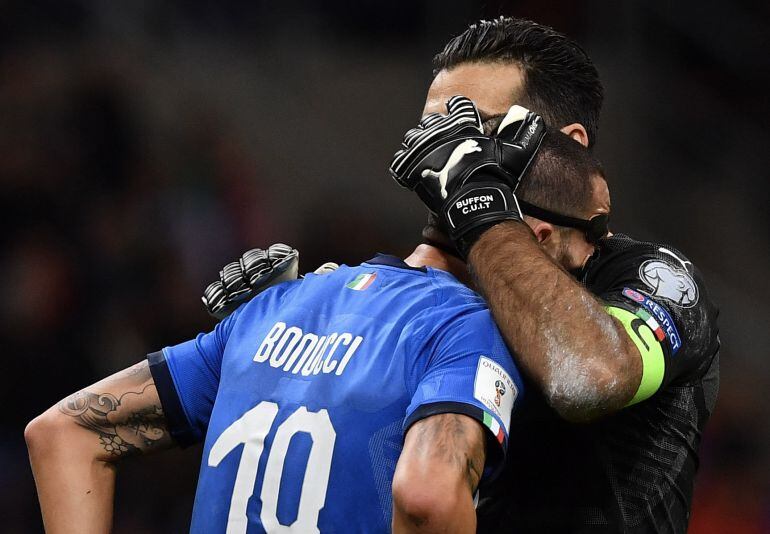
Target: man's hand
[[242, 280], [464, 176], [257, 270]]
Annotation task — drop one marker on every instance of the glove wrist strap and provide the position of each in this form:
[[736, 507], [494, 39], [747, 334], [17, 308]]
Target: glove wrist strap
[[476, 207]]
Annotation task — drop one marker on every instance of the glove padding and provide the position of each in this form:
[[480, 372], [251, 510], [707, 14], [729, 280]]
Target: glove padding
[[257, 270], [242, 280], [467, 178]]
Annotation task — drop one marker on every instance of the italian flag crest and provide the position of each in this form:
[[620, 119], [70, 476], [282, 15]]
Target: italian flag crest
[[362, 281], [492, 424]]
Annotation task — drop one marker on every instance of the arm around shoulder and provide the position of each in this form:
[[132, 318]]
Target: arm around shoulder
[[563, 338], [596, 348]]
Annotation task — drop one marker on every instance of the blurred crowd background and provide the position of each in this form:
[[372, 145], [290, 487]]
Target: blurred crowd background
[[145, 144]]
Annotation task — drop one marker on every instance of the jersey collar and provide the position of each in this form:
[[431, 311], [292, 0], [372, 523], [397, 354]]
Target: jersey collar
[[394, 261]]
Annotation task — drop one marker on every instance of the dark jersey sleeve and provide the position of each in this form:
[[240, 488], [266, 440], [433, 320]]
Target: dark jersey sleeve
[[187, 379], [661, 300]]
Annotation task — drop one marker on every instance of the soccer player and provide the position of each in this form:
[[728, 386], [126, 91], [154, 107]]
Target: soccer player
[[302, 397], [617, 336]]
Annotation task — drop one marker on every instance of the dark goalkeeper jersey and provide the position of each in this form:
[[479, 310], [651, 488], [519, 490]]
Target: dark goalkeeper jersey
[[633, 471]]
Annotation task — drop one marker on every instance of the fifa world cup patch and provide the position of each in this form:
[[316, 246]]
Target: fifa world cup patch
[[362, 281], [656, 317], [495, 389]]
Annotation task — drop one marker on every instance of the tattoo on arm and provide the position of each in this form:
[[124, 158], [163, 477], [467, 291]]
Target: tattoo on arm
[[125, 413], [455, 439]]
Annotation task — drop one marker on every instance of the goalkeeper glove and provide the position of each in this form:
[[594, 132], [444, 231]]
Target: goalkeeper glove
[[242, 280], [467, 178], [257, 270]]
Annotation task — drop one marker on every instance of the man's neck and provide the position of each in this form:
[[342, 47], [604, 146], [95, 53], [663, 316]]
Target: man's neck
[[430, 256]]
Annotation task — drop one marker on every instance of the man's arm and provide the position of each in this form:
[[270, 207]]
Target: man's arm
[[437, 474], [582, 358], [74, 446]]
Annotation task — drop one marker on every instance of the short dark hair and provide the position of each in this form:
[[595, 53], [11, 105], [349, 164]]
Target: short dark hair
[[560, 177], [560, 81]]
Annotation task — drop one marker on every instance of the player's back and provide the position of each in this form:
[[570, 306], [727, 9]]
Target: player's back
[[317, 381]]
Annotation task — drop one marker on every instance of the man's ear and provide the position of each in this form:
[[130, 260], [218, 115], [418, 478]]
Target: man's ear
[[577, 132], [543, 231]]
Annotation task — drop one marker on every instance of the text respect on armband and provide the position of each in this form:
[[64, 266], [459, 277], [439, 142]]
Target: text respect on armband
[[305, 352]]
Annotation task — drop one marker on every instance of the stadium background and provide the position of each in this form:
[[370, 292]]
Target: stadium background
[[144, 144]]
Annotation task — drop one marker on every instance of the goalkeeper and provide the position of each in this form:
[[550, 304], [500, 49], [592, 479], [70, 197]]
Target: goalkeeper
[[618, 335]]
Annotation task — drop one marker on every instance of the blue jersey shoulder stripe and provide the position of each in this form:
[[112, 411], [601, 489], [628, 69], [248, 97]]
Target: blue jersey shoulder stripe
[[178, 425]]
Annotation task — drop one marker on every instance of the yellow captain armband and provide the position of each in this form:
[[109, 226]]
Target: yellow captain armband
[[653, 362]]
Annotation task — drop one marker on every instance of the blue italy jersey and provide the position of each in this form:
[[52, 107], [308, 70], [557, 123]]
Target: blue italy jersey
[[303, 395]]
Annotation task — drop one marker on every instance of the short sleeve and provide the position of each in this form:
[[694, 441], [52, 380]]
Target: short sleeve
[[468, 370], [660, 298], [187, 378]]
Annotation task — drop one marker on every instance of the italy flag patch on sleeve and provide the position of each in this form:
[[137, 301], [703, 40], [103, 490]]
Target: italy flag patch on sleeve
[[495, 389], [492, 424], [362, 281], [652, 323]]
